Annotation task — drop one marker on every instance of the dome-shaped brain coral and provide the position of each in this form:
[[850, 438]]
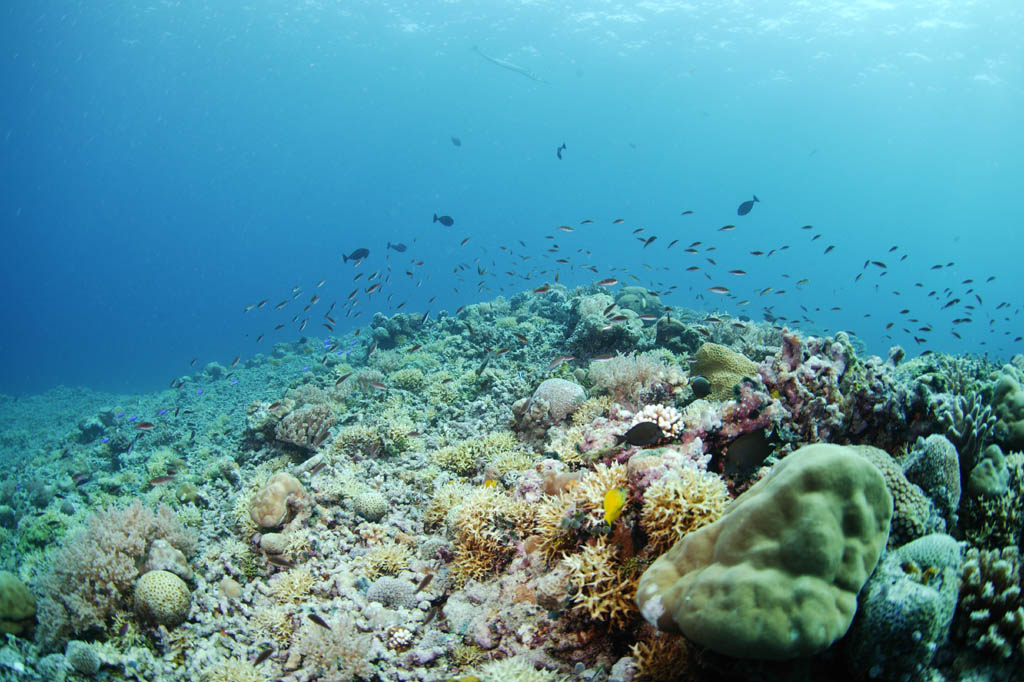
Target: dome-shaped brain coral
[[162, 598]]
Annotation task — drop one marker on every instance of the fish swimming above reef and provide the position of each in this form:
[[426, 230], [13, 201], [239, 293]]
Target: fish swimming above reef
[[745, 207], [445, 220], [456, 141], [397, 246], [644, 433], [358, 254], [510, 66], [559, 151]]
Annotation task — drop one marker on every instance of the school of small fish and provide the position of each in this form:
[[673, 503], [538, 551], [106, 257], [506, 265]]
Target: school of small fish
[[703, 267]]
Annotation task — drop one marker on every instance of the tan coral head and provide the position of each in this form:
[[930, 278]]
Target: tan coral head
[[276, 502]]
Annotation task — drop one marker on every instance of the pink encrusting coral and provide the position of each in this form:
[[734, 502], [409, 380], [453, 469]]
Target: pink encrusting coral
[[805, 375], [828, 394]]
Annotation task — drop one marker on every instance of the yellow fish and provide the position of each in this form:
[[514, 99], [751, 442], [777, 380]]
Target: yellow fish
[[614, 501], [490, 483]]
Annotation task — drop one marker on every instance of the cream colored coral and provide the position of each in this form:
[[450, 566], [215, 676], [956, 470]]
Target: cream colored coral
[[554, 536], [516, 669], [668, 419], [233, 671], [388, 558], [445, 497], [681, 501], [292, 585], [270, 506]]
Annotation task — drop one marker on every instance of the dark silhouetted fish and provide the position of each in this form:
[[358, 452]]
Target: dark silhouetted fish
[[445, 220], [358, 254], [745, 207], [399, 247], [644, 433], [456, 141], [559, 151]]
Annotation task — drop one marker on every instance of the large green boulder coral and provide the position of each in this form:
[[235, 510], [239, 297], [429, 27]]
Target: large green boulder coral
[[777, 576], [17, 605]]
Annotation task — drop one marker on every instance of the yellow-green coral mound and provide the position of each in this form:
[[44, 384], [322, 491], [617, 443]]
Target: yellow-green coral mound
[[723, 367], [777, 576]]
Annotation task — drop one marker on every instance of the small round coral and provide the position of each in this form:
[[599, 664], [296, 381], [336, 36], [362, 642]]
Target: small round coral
[[371, 505], [162, 598], [562, 397]]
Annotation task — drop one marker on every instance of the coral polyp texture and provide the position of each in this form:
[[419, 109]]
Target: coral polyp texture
[[570, 484]]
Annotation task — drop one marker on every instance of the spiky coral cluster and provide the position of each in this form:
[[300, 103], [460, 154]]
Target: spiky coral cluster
[[468, 456], [566, 518], [93, 573], [991, 601], [668, 419], [603, 583], [683, 500], [662, 658], [445, 497], [292, 585], [486, 526], [387, 558]]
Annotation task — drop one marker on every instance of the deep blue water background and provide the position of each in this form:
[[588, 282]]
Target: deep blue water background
[[165, 165]]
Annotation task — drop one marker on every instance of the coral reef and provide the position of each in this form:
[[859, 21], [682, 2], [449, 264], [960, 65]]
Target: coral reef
[[436, 498]]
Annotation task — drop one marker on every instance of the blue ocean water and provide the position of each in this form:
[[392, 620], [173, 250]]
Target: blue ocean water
[[164, 165]]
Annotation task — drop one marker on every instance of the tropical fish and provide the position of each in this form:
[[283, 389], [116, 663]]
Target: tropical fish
[[718, 290], [318, 620], [745, 207], [356, 255], [397, 246], [644, 433], [445, 220], [559, 360], [610, 282], [161, 479], [456, 141], [559, 151], [614, 501], [510, 66]]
